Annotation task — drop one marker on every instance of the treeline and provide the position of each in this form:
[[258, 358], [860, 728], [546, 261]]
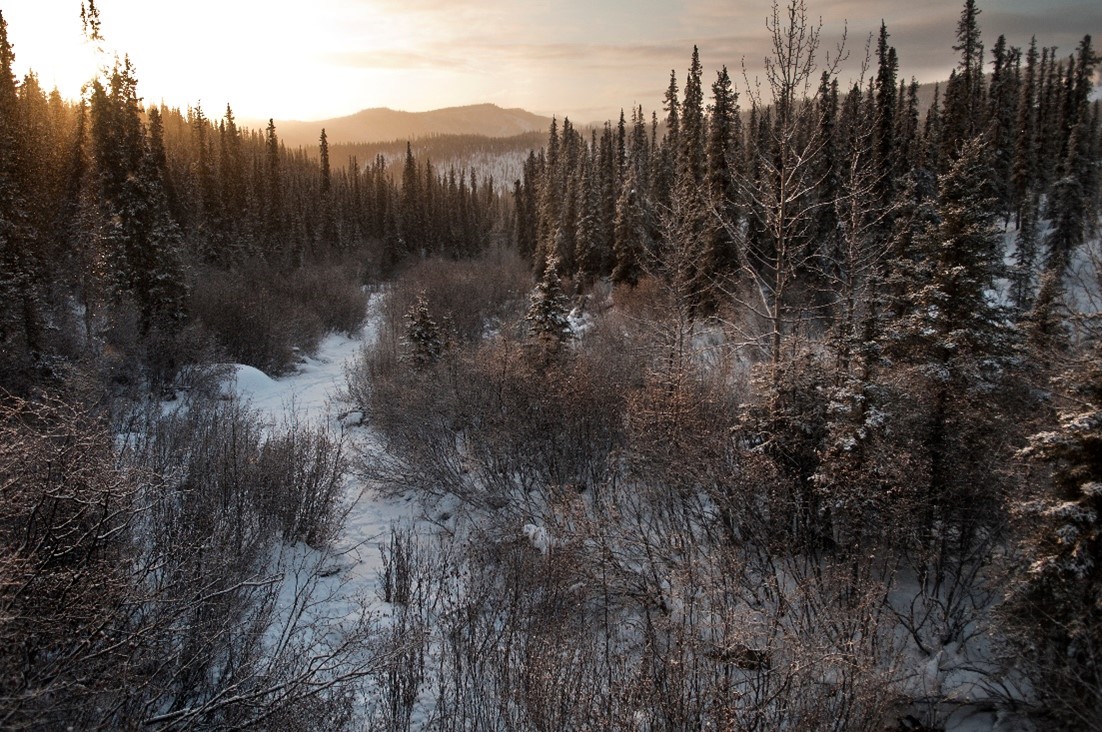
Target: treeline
[[441, 147], [599, 205], [115, 218]]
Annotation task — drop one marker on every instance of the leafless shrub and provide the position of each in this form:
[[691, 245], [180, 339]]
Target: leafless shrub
[[147, 588], [65, 510], [474, 296], [264, 317], [302, 471]]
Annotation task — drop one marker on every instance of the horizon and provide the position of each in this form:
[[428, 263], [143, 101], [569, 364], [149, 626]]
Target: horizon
[[571, 60]]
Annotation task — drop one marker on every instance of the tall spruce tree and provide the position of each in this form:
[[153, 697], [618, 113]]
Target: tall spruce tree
[[1024, 167], [953, 341], [724, 154], [1056, 607]]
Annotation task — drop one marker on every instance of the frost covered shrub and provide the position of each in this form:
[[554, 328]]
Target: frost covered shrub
[[301, 471], [251, 321], [265, 317], [333, 293], [488, 422], [286, 482], [65, 510], [474, 296]]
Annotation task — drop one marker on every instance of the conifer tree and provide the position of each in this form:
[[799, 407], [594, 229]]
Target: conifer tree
[[547, 322], [1057, 608], [273, 200], [1024, 167], [723, 155], [952, 339], [411, 206], [955, 319], [12, 200], [666, 154], [425, 341], [907, 139], [1022, 275], [1068, 205], [962, 118], [550, 198], [1001, 116], [886, 109], [691, 148], [328, 230], [630, 244]]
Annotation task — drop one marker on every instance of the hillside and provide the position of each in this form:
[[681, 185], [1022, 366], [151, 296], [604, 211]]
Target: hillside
[[383, 125]]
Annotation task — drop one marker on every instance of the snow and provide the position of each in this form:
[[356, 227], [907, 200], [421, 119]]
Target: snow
[[539, 537], [342, 582], [312, 390]]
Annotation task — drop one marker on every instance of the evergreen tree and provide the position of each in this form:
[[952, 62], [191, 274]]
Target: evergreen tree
[[1022, 274], [908, 155], [691, 135], [1024, 167], [547, 322], [886, 106], [630, 245], [327, 232], [1068, 205], [723, 155], [425, 341], [953, 345], [1002, 115], [411, 207], [955, 318], [664, 176], [964, 92], [273, 200], [13, 224], [1057, 607]]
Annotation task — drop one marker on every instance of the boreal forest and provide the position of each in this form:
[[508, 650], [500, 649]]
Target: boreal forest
[[777, 406]]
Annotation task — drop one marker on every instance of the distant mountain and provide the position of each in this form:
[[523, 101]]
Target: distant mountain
[[384, 125]]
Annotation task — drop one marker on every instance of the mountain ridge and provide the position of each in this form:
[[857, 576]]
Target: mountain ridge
[[383, 124]]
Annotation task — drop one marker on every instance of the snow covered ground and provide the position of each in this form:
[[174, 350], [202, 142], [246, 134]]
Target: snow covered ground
[[350, 571], [313, 392]]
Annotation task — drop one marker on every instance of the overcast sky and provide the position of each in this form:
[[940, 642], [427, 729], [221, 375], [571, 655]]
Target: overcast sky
[[581, 58]]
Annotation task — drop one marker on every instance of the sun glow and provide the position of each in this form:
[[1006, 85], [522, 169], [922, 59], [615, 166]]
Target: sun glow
[[260, 57]]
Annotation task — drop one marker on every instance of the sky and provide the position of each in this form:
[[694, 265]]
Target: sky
[[585, 59]]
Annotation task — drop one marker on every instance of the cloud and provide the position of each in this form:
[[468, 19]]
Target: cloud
[[392, 59]]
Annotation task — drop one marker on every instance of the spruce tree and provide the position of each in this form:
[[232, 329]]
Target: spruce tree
[[411, 207], [691, 136], [886, 105], [327, 231], [1056, 609], [1024, 166], [963, 117], [630, 244], [12, 203], [1023, 272], [723, 153], [273, 199], [953, 344], [424, 340], [546, 319], [1001, 118], [1068, 205]]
